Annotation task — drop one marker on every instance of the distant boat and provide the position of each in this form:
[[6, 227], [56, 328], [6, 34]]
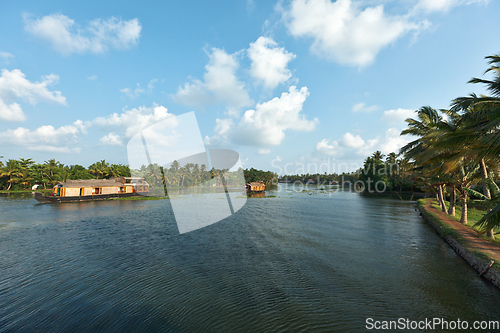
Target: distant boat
[[95, 189], [255, 187]]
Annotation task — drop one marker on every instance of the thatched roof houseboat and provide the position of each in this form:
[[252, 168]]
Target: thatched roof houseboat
[[255, 187], [95, 189]]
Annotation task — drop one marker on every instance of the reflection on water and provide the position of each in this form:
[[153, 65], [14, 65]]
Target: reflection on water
[[256, 194], [296, 262], [201, 190]]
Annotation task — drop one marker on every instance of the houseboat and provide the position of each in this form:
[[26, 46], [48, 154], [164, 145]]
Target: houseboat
[[255, 187], [95, 189]]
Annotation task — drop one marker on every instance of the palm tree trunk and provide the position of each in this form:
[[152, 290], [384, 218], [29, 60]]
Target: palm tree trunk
[[451, 209], [440, 197], [484, 176], [486, 192], [463, 218]]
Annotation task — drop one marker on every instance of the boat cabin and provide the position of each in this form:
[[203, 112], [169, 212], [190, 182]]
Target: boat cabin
[[255, 186], [90, 187]]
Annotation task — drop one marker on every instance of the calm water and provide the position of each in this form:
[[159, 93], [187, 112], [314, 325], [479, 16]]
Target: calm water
[[315, 261]]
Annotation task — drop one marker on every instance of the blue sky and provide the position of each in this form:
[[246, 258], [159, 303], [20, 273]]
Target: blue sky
[[283, 83]]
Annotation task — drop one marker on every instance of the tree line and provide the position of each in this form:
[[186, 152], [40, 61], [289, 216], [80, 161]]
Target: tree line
[[457, 148], [22, 174], [391, 171]]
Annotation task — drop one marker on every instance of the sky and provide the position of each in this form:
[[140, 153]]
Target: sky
[[292, 86]]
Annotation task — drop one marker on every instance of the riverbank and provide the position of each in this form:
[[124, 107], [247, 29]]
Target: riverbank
[[27, 191], [482, 254]]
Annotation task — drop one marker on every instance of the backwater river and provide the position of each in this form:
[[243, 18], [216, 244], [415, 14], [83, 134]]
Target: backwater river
[[321, 261]]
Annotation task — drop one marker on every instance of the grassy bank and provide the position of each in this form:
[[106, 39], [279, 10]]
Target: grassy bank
[[446, 229], [26, 191], [473, 215]]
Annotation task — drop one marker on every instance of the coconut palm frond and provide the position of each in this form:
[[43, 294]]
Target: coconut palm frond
[[477, 194], [490, 220]]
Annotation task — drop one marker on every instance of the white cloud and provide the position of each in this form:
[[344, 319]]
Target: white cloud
[[92, 78], [263, 151], [97, 37], [354, 147], [443, 5], [344, 32], [351, 141], [223, 128], [397, 116], [111, 139], [220, 84], [15, 86], [370, 146], [6, 56], [47, 138], [393, 141], [12, 112], [132, 121], [266, 125], [269, 62], [134, 93], [325, 147], [361, 107]]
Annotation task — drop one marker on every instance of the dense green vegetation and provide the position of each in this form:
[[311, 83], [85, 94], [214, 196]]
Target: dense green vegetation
[[379, 173], [458, 148], [254, 175], [22, 174]]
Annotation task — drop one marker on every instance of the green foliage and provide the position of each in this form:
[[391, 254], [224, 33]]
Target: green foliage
[[22, 174], [254, 175], [456, 150]]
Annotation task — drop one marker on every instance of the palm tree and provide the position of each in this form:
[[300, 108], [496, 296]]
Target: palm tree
[[175, 165], [492, 218], [12, 171], [100, 169], [481, 116], [378, 155], [422, 150]]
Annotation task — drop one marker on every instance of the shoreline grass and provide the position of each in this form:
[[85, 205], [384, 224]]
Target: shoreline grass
[[27, 191], [446, 230]]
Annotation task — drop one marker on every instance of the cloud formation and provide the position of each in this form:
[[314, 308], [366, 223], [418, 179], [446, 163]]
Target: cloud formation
[[14, 86], [325, 147], [362, 107], [269, 62], [112, 139], [134, 93], [353, 146], [134, 120], [266, 125], [443, 5], [219, 84], [397, 116], [97, 37], [6, 56], [344, 32], [47, 138]]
